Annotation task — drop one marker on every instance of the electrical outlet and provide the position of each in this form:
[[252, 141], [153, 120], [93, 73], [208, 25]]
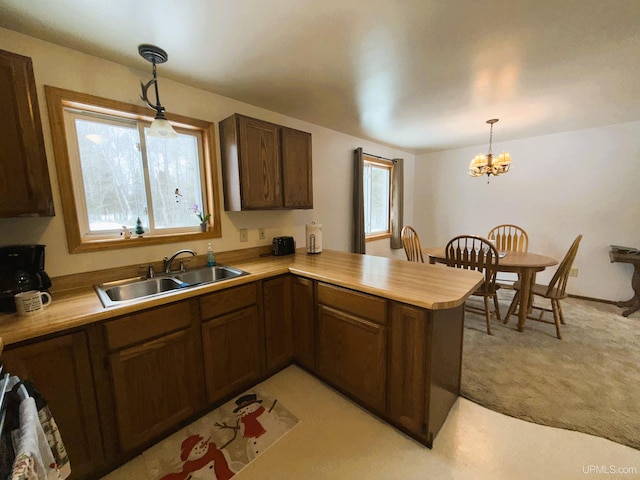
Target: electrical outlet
[[261, 233], [243, 235], [573, 272]]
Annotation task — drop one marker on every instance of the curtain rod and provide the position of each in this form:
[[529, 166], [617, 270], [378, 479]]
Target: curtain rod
[[378, 156]]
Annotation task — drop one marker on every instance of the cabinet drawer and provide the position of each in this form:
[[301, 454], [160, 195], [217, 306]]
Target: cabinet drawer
[[360, 304], [226, 301], [145, 325]]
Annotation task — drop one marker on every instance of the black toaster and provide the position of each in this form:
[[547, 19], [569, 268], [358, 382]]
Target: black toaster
[[283, 246]]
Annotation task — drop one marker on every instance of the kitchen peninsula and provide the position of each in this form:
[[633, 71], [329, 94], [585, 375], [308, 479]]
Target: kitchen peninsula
[[387, 333]]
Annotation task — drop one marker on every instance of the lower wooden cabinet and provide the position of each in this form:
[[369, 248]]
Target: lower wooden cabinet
[[276, 307], [232, 342], [61, 371], [303, 322], [117, 386], [157, 375], [425, 360], [352, 349], [407, 367]]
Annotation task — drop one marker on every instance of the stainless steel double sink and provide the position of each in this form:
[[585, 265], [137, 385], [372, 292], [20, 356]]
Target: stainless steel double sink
[[121, 291]]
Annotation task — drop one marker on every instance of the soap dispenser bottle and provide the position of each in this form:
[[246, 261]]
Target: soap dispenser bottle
[[211, 257]]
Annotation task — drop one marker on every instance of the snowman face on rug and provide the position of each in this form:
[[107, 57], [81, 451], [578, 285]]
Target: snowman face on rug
[[199, 450], [246, 410]]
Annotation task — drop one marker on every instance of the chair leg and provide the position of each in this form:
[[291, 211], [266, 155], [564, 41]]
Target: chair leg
[[512, 307], [497, 307], [560, 311], [487, 314], [555, 304]]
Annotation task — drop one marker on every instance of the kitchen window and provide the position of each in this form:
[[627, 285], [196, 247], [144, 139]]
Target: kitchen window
[[115, 176], [377, 197]]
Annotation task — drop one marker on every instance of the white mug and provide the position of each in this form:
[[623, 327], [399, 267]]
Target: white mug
[[33, 301]]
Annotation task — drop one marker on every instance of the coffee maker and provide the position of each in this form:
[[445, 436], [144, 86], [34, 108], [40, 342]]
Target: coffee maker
[[21, 269]]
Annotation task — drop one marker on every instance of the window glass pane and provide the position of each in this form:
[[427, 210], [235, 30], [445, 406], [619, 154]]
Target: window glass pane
[[112, 174], [367, 198], [174, 176], [379, 199]]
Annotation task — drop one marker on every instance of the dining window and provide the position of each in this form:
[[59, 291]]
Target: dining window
[[377, 177]]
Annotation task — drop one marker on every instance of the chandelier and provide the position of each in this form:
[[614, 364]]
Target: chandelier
[[486, 164], [160, 127]]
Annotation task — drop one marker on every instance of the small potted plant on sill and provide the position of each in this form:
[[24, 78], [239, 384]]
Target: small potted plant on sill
[[204, 218]]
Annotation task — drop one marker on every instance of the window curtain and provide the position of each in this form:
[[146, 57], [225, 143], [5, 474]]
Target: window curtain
[[358, 243], [397, 202]]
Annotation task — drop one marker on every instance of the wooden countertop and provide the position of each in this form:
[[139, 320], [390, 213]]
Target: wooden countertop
[[433, 287]]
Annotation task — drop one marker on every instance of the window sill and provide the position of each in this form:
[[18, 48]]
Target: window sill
[[135, 241], [380, 236]]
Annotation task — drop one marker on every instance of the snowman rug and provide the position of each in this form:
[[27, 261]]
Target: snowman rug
[[223, 442]]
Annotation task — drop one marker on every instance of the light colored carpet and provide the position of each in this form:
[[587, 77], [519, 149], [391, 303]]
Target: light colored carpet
[[589, 381]]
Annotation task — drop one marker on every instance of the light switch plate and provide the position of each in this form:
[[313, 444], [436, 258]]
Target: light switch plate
[[261, 233], [243, 235]]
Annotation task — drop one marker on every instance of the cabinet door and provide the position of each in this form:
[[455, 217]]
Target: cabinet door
[[408, 382], [261, 176], [296, 169], [277, 322], [25, 189], [232, 352], [351, 354], [61, 371], [303, 322], [156, 385]]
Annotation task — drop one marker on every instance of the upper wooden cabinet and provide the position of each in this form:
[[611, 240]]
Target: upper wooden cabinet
[[25, 189], [265, 166]]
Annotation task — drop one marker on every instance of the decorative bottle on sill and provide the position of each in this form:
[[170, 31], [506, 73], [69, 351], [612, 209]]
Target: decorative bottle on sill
[[211, 257]]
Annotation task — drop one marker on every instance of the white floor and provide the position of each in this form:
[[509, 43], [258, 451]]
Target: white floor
[[336, 439]]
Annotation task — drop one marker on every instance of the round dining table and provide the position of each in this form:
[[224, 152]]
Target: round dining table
[[525, 264]]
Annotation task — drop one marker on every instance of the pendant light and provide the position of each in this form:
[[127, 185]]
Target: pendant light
[[485, 164], [160, 127]]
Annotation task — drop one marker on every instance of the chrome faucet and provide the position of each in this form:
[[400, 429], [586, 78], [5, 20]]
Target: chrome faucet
[[168, 260]]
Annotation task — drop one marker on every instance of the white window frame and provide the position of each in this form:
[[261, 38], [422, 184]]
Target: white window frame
[[374, 162], [63, 105]]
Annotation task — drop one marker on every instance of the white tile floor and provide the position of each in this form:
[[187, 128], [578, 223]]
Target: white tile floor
[[336, 439]]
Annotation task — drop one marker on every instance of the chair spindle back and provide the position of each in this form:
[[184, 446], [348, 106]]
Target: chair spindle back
[[411, 244], [510, 238]]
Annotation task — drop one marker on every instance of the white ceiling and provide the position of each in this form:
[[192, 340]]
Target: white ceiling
[[420, 75]]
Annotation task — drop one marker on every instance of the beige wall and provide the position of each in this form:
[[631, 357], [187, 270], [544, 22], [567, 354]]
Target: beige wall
[[560, 185], [332, 154]]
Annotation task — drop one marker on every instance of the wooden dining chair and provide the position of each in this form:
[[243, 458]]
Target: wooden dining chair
[[555, 291], [411, 244], [476, 253], [509, 238]]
